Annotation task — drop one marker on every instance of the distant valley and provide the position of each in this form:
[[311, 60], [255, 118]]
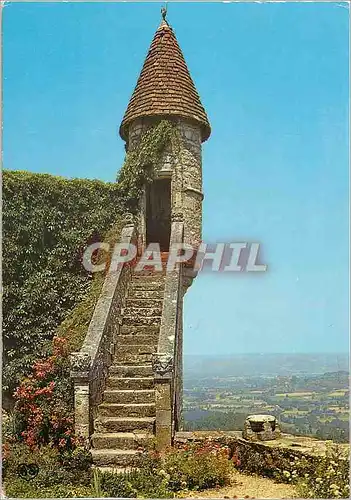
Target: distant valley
[[308, 393]]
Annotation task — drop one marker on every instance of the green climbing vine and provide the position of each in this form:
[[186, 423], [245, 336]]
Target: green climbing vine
[[48, 221], [141, 163]]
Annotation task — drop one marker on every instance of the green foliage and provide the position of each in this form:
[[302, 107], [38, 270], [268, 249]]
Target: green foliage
[[75, 325], [279, 464], [198, 466], [146, 481], [141, 162], [96, 484], [330, 478], [43, 408], [115, 485], [58, 474], [150, 481], [194, 467], [217, 420], [19, 488], [47, 223], [44, 400], [40, 431], [315, 476]]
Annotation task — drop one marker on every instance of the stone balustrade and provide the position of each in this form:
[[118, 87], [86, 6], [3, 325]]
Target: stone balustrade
[[89, 366], [167, 361]]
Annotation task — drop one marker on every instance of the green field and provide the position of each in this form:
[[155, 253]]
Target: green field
[[295, 394]]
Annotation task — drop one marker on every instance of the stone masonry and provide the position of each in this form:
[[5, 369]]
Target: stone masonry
[[261, 428], [128, 375], [126, 418], [165, 90]]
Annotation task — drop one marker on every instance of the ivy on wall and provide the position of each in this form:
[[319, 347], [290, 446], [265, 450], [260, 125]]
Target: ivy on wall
[[141, 163], [47, 223], [75, 325]]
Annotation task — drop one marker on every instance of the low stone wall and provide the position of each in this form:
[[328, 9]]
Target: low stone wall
[[296, 455]]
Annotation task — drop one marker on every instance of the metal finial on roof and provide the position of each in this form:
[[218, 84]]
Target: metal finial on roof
[[164, 12]]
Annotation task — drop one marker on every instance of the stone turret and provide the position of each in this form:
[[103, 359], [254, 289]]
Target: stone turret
[[171, 207], [128, 374], [165, 87], [165, 90]]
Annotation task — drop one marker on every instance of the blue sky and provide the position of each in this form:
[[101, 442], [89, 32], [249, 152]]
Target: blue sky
[[274, 81]]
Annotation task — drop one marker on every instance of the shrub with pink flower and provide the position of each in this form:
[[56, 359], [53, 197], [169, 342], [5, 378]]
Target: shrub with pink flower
[[43, 402]]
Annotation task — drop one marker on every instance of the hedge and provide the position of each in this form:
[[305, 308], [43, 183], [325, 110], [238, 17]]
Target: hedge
[[47, 223]]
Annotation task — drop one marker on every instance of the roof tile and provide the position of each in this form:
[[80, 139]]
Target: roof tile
[[165, 86]]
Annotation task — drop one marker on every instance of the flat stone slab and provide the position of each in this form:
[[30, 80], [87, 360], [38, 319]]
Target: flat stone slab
[[183, 436], [304, 444], [261, 418]]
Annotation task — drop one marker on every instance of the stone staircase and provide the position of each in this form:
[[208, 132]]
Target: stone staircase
[[126, 417]]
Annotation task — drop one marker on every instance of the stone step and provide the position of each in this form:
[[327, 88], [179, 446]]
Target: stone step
[[141, 329], [147, 285], [123, 458], [147, 294], [128, 371], [143, 303], [121, 440], [164, 256], [141, 311], [124, 424], [129, 396], [134, 348], [130, 383], [138, 320], [123, 340], [127, 410], [149, 273], [149, 276], [128, 358]]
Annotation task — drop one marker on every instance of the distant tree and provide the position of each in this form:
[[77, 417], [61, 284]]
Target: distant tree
[[319, 434]]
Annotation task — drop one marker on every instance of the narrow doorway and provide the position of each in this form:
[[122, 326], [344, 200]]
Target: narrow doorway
[[158, 213]]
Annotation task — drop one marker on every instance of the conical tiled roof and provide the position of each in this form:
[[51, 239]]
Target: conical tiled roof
[[165, 87]]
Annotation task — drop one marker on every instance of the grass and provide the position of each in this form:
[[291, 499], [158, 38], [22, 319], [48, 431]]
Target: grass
[[295, 394], [337, 392], [338, 409], [295, 411], [344, 416]]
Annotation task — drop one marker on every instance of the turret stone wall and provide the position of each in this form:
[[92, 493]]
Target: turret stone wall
[[185, 171], [190, 168], [184, 168]]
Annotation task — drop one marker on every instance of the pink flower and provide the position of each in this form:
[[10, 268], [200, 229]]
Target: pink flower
[[62, 443]]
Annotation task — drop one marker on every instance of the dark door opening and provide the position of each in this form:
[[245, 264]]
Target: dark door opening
[[158, 213]]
